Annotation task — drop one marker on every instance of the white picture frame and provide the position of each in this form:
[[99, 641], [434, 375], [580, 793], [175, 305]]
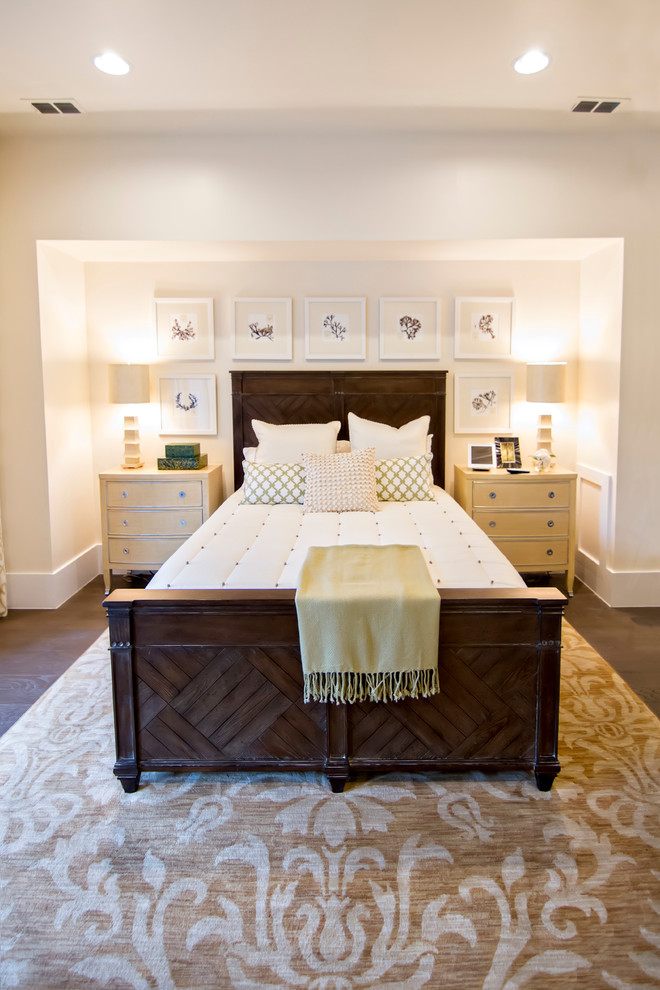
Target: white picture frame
[[409, 328], [482, 403], [262, 328], [184, 329], [336, 329], [188, 405], [483, 327], [481, 456]]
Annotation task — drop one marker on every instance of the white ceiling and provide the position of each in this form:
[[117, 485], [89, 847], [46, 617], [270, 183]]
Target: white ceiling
[[245, 65]]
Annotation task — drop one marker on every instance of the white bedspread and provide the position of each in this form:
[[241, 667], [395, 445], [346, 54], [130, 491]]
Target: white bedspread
[[263, 546]]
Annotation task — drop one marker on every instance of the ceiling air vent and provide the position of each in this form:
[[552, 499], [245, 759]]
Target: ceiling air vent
[[595, 106], [55, 106]]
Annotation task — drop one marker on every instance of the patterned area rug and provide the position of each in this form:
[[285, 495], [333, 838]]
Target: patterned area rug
[[404, 881]]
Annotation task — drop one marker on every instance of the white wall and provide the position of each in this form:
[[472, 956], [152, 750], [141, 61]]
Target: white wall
[[332, 187]]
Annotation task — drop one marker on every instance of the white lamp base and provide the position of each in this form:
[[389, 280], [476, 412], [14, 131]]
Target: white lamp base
[[132, 455]]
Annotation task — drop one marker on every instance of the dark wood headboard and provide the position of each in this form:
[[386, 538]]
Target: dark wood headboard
[[392, 397]]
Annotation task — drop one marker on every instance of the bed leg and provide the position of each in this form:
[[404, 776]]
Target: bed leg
[[128, 776], [544, 781], [337, 782]]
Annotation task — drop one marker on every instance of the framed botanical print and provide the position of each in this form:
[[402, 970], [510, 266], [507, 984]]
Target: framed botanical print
[[184, 329], [262, 329], [187, 405], [482, 403], [335, 329], [409, 329], [483, 327]]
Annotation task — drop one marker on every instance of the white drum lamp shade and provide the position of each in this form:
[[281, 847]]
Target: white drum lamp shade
[[546, 383], [129, 385]]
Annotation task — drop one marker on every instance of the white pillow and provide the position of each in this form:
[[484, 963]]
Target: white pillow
[[284, 443], [406, 441], [341, 447], [340, 482]]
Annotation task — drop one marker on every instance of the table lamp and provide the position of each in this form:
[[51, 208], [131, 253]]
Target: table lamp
[[546, 383], [129, 385]]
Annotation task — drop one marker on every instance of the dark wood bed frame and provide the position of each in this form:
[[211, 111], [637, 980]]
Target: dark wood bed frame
[[211, 680]]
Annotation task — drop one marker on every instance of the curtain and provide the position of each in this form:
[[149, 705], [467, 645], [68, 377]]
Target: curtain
[[3, 577]]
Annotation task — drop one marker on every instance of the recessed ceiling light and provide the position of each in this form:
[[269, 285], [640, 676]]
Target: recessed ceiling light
[[113, 64], [531, 62]]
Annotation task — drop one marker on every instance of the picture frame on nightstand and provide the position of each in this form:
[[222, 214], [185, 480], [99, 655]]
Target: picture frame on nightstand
[[507, 451]]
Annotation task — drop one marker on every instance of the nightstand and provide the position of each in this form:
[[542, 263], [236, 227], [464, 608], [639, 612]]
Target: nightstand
[[147, 514], [530, 517]]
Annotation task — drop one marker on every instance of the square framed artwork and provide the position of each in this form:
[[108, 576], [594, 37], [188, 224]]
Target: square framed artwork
[[507, 451], [483, 327], [187, 405], [482, 403], [409, 329], [184, 329], [262, 329], [336, 329]]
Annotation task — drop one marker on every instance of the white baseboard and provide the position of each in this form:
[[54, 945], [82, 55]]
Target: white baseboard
[[52, 590], [619, 589]]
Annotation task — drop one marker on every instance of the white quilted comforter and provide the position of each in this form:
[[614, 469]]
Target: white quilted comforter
[[263, 546]]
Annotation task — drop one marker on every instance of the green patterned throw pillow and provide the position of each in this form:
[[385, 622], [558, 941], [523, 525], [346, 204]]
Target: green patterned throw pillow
[[405, 479], [274, 484]]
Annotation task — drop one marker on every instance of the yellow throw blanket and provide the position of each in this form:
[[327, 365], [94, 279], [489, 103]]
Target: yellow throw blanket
[[369, 619]]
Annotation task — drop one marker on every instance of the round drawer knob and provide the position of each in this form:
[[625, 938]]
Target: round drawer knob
[[124, 494], [182, 522], [125, 522], [549, 552], [492, 494], [551, 494], [492, 524], [126, 551], [551, 523], [182, 494]]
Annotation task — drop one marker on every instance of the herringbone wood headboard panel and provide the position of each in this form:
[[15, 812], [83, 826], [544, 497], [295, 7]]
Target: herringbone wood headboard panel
[[392, 397]]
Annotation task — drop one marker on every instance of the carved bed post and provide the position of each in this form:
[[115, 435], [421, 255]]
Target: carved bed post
[[549, 652], [121, 655]]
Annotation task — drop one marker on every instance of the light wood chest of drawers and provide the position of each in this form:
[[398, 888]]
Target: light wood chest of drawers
[[530, 517], [147, 514]]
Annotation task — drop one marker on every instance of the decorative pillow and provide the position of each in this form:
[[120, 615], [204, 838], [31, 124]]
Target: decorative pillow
[[274, 484], [340, 482], [284, 443], [404, 479], [388, 441]]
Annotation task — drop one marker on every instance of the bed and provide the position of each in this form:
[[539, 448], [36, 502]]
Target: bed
[[210, 678]]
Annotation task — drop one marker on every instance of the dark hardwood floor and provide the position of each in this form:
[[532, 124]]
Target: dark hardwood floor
[[37, 646]]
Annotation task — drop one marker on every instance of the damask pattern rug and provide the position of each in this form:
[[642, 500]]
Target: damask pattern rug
[[271, 881]]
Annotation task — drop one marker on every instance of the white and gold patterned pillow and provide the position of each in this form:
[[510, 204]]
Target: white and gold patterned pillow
[[404, 479], [340, 482], [274, 484]]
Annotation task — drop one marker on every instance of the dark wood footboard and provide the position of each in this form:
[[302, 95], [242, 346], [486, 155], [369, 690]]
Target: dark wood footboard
[[213, 681]]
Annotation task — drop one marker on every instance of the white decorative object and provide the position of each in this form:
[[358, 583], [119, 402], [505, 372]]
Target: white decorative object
[[129, 385], [546, 383], [542, 459]]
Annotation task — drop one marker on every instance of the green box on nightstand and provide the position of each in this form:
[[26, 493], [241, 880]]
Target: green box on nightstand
[[182, 450]]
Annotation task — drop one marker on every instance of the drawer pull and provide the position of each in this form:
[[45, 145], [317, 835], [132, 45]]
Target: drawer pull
[[551, 523], [182, 494], [125, 522], [492, 494], [182, 522], [492, 524], [126, 551], [124, 494], [551, 494], [549, 552]]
